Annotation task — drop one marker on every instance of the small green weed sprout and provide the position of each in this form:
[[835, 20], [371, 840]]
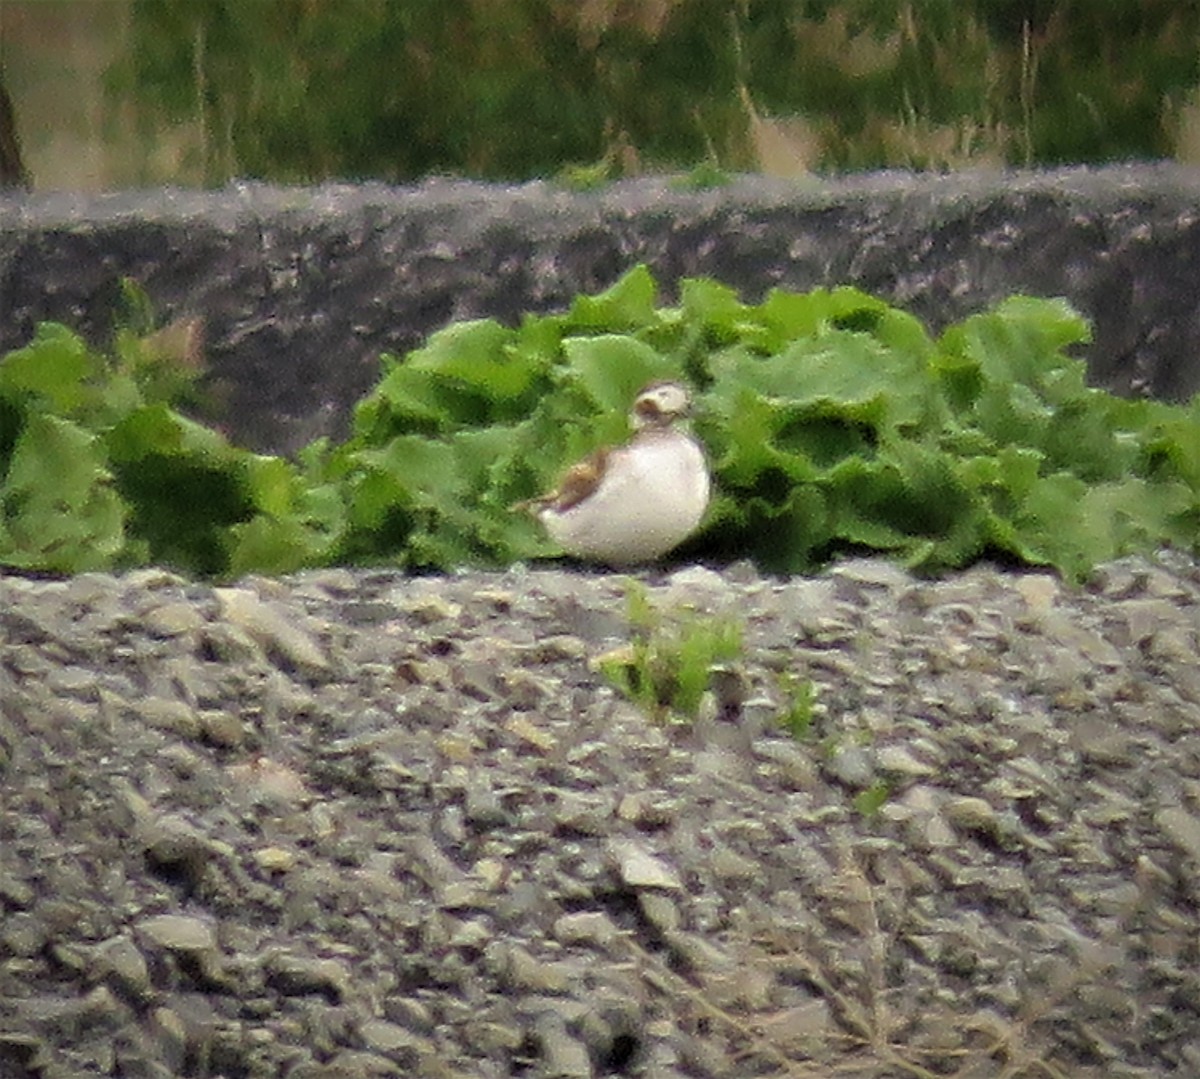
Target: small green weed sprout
[[799, 696], [670, 662], [869, 802]]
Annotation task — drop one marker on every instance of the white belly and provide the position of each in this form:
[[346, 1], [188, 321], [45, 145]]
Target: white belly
[[652, 497]]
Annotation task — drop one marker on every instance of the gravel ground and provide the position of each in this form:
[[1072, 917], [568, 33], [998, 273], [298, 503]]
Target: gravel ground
[[359, 824]]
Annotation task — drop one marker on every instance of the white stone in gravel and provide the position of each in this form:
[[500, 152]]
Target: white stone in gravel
[[170, 1034], [698, 955], [150, 578], [563, 1056], [728, 865], [587, 814], [473, 934], [639, 868], [1066, 630], [1039, 590], [490, 872], [425, 609], [872, 571], [586, 927], [851, 766], [179, 933], [177, 717], [937, 833], [383, 1037], [172, 620], [970, 814], [519, 969], [463, 895], [336, 582], [1147, 617], [274, 859], [899, 761], [122, 961], [1181, 828], [695, 586], [660, 911], [647, 809], [275, 628]]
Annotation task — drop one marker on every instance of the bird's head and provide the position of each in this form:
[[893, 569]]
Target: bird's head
[[660, 404]]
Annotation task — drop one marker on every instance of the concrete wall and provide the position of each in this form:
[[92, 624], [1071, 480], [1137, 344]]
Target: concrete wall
[[301, 289]]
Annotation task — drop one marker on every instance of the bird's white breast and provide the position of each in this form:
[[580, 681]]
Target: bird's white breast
[[652, 497]]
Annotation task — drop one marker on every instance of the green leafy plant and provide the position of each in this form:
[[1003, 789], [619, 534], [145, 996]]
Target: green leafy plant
[[671, 660], [98, 470], [833, 422]]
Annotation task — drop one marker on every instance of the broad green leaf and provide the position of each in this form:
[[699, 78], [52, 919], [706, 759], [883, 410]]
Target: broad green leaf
[[157, 430], [271, 483], [740, 426], [908, 493], [184, 486], [1131, 514], [612, 368], [1053, 526], [850, 373], [476, 356], [113, 399], [482, 453], [53, 368], [1003, 480], [12, 418], [903, 332], [627, 305], [1011, 413], [267, 544], [794, 316], [792, 537], [717, 308], [426, 469], [407, 400], [1053, 323], [1019, 341], [377, 501], [1082, 438], [1168, 444], [57, 503]]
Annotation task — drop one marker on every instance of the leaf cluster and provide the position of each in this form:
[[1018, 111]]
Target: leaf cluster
[[100, 471], [833, 422]]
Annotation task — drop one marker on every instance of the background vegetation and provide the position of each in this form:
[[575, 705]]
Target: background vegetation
[[306, 90]]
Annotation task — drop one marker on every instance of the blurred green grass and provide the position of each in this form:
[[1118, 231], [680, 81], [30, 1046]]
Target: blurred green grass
[[302, 90]]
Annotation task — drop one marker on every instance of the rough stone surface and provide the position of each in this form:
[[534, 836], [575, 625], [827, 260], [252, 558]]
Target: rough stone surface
[[442, 846], [301, 289]]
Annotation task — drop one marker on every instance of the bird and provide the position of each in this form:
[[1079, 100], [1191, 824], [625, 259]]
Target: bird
[[632, 503]]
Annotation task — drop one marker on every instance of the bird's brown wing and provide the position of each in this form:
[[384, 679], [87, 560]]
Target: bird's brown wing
[[579, 481]]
